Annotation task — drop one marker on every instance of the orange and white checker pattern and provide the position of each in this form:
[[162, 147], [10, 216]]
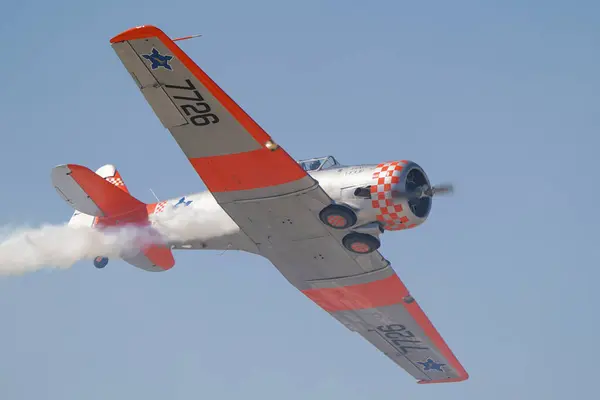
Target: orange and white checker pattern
[[117, 181], [387, 177], [160, 207]]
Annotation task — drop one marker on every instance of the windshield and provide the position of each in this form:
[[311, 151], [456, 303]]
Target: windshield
[[317, 164]]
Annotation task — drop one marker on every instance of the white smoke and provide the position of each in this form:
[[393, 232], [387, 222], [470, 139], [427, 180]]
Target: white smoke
[[31, 249], [189, 223]]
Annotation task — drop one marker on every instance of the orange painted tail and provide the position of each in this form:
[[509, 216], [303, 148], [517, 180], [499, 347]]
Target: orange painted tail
[[103, 194]]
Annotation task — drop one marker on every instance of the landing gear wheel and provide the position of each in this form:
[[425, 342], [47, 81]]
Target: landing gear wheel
[[337, 217], [100, 262], [361, 243]]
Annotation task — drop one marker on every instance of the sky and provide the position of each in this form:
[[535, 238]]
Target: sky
[[499, 97]]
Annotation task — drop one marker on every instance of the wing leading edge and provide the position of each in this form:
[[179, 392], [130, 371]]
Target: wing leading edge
[[276, 204]]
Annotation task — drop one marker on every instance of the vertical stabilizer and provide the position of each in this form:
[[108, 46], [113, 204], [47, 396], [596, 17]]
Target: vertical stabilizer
[[110, 173], [102, 200]]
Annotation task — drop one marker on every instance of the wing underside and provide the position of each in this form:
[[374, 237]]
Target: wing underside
[[276, 204], [363, 292]]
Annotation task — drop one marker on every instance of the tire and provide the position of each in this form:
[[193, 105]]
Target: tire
[[361, 243], [337, 217], [100, 262]]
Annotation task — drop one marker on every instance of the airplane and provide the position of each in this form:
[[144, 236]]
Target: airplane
[[317, 221]]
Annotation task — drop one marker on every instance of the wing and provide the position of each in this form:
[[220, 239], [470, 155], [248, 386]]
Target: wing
[[276, 204], [363, 292], [225, 146]]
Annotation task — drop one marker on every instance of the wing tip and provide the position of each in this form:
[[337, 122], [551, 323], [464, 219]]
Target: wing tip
[[415, 310], [138, 32]]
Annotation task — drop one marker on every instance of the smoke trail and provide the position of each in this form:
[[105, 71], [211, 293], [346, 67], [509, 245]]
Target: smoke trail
[[61, 246], [189, 223], [28, 250]]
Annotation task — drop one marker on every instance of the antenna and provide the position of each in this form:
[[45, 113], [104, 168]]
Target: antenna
[[154, 194], [186, 37], [224, 251]]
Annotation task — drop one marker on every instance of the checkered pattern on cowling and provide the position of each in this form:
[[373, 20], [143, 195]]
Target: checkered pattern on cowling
[[160, 207], [386, 176]]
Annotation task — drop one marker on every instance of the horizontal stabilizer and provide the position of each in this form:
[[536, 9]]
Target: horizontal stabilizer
[[160, 256], [154, 259], [81, 219], [91, 194]]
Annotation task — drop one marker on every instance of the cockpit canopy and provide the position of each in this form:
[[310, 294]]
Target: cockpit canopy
[[319, 164]]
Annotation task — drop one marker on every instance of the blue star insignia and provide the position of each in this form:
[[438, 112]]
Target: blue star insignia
[[158, 60], [429, 365], [182, 201]]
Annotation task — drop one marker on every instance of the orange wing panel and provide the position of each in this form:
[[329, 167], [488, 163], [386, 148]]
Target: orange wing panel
[[379, 293], [248, 170]]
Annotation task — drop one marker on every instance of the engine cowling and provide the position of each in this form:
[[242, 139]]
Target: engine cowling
[[399, 177]]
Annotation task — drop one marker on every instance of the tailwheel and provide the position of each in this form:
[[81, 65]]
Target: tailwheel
[[100, 262], [361, 243], [337, 217]]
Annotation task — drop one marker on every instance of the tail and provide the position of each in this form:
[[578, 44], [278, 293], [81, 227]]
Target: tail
[[110, 174], [101, 199]]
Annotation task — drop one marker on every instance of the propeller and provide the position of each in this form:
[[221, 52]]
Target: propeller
[[425, 191]]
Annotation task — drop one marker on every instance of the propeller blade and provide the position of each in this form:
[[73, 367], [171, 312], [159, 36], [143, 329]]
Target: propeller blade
[[443, 189]]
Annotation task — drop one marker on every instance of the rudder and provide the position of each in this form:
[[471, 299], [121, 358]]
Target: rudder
[[102, 199], [110, 173]]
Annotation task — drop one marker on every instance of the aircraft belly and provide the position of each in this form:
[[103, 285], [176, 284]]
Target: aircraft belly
[[279, 222], [198, 222], [289, 233]]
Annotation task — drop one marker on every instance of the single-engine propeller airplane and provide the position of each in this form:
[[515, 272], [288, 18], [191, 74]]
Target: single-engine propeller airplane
[[317, 221]]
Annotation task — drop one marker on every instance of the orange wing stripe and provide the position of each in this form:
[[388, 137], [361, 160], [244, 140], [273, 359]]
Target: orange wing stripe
[[248, 170], [384, 292]]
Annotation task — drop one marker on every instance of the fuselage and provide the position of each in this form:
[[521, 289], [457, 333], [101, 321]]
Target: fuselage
[[364, 188]]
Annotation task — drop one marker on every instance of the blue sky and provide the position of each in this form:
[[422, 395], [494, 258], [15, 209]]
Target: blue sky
[[499, 97]]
